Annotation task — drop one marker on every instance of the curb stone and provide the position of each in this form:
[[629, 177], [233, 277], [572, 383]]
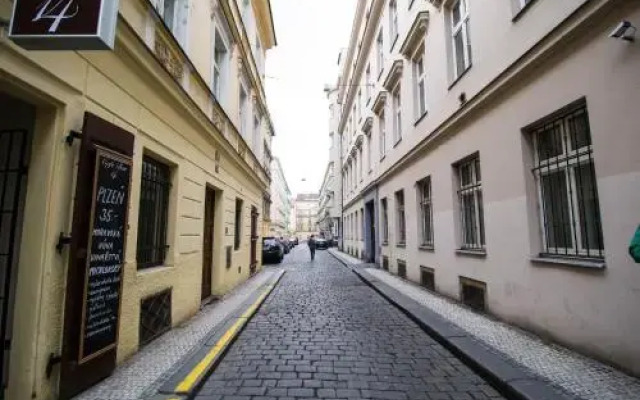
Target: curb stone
[[215, 346], [511, 380]]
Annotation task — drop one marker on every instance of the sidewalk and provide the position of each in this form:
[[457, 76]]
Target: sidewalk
[[573, 373], [143, 374]]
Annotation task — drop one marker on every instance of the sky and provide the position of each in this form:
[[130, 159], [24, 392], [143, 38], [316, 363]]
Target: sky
[[310, 35]]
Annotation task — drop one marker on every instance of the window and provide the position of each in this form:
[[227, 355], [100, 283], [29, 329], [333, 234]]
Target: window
[[368, 83], [220, 65], [425, 212], [174, 14], [383, 135], [256, 135], [401, 228], [385, 221], [360, 162], [397, 115], [460, 37], [567, 189], [153, 213], [419, 74], [359, 105], [380, 52], [238, 225], [369, 166], [245, 11], [393, 21], [470, 200], [243, 110]]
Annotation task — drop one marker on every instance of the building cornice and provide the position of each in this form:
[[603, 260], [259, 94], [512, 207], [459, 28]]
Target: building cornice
[[416, 34], [394, 75], [379, 102]]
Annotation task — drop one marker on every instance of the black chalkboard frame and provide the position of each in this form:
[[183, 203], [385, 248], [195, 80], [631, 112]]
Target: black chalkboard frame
[[106, 153]]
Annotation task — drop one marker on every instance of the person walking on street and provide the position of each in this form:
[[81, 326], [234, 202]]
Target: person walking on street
[[312, 246]]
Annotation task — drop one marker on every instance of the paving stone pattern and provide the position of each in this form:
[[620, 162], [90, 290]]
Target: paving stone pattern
[[140, 376], [324, 334], [577, 374]]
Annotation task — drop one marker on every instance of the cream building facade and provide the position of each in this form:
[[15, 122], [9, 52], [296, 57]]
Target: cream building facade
[[305, 210], [180, 100], [489, 153], [281, 202]]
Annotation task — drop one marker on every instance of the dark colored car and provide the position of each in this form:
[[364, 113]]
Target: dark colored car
[[295, 241], [321, 244], [272, 250]]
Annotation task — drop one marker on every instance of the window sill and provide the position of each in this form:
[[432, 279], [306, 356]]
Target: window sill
[[473, 253], [380, 74], [459, 77], [154, 269], [592, 264], [382, 158], [397, 143], [411, 4], [368, 101], [393, 44], [427, 247], [420, 118], [385, 243], [521, 11], [401, 245]]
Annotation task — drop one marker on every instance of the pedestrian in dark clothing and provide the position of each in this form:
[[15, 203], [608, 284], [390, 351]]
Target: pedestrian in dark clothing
[[312, 246]]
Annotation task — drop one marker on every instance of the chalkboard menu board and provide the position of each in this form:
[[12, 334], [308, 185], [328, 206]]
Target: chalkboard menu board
[[105, 258]]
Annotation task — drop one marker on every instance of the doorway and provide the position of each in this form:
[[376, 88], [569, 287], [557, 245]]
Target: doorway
[[370, 219], [207, 245], [254, 241], [16, 126]]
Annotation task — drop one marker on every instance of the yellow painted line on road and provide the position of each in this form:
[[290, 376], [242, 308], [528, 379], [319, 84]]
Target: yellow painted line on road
[[192, 377]]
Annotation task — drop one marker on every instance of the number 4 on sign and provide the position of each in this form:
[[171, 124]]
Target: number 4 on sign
[[49, 8]]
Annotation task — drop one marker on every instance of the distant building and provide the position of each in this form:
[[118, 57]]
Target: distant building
[[330, 203], [281, 204], [306, 214]]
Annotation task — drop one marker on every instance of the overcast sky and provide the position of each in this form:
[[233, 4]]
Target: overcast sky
[[310, 34]]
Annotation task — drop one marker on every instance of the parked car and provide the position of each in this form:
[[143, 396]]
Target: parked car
[[321, 244], [295, 241], [272, 250], [287, 244]]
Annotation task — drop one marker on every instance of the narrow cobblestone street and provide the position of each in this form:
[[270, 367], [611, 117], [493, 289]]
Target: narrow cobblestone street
[[324, 334]]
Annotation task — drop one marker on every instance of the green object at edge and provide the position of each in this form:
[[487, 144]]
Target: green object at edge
[[634, 246]]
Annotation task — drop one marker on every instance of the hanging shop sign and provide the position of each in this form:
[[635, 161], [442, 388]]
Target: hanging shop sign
[[64, 24]]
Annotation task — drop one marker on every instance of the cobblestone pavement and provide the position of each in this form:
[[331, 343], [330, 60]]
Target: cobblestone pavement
[[141, 375], [324, 334], [577, 374]]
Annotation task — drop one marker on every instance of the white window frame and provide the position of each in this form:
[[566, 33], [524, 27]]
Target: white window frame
[[475, 232], [420, 79], [360, 164], [461, 27], [393, 21], [425, 211], [179, 29], [368, 82], [396, 104], [401, 218], [220, 68], [255, 141], [383, 134], [243, 110], [384, 211], [369, 166], [380, 52]]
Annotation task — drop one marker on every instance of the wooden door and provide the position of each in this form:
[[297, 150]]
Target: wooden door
[[85, 360], [207, 245]]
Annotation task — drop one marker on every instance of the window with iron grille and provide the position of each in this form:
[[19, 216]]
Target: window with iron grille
[[401, 228], [385, 221], [567, 188], [238, 225], [385, 263], [471, 204], [426, 212], [153, 213], [155, 316]]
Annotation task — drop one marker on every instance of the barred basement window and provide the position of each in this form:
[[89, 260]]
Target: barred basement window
[[155, 316], [567, 189], [385, 263], [402, 269], [471, 207], [153, 213], [238, 225], [427, 278], [426, 212]]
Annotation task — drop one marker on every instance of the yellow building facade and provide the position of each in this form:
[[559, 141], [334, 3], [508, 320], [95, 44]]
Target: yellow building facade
[[187, 89]]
